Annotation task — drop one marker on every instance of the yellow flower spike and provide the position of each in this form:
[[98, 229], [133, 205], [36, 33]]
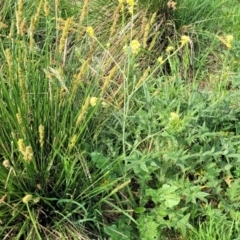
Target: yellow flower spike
[[160, 60], [28, 154], [41, 134], [93, 101], [21, 145], [90, 32], [83, 111], [184, 40], [72, 142], [27, 198], [46, 8], [135, 47]]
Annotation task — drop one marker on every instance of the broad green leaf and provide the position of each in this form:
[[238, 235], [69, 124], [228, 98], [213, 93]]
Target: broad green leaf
[[172, 200]]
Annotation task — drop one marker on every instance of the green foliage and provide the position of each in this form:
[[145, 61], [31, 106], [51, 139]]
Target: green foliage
[[108, 135]]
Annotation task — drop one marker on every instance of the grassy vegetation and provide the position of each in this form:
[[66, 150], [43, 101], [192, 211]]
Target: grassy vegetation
[[119, 119]]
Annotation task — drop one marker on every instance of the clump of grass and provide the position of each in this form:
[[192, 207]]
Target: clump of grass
[[106, 128]]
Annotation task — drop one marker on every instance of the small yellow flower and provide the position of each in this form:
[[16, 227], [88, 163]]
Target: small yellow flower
[[169, 49], [229, 38], [174, 116], [135, 47], [131, 2], [93, 101], [130, 9], [160, 60], [108, 45], [184, 39], [27, 198], [227, 41], [90, 32]]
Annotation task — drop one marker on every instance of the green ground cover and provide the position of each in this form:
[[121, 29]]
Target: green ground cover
[[120, 119]]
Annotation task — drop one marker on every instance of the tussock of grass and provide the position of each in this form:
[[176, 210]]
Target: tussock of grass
[[119, 120]]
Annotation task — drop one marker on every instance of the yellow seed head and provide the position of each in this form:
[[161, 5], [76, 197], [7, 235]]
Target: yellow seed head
[[19, 15], [83, 111], [83, 11], [41, 135], [65, 34], [144, 76], [145, 35], [33, 23], [143, 26], [8, 59], [72, 142], [153, 19], [19, 119], [28, 154], [108, 78], [46, 8], [21, 146], [23, 89], [115, 18], [78, 77], [23, 27]]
